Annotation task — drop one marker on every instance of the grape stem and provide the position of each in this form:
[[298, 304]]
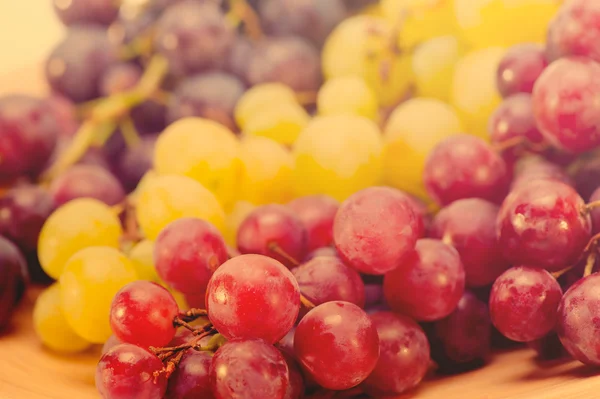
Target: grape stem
[[181, 323], [521, 142], [241, 11], [589, 264], [170, 367], [306, 302], [273, 246], [559, 273], [587, 208], [192, 314]]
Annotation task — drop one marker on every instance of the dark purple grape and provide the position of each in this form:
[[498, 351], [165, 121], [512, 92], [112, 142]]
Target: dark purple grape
[[87, 181], [149, 117], [191, 377], [78, 62], [73, 12], [119, 78], [288, 60], [135, 162], [13, 277], [211, 95], [548, 347]]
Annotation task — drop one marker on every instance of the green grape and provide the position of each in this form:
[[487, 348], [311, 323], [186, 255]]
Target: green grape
[[266, 172], [364, 46], [419, 20], [51, 326], [433, 66], [413, 129], [487, 23], [281, 122], [347, 95], [88, 284], [78, 224], [203, 150], [338, 155], [260, 97], [142, 256], [474, 93], [234, 219], [164, 199]]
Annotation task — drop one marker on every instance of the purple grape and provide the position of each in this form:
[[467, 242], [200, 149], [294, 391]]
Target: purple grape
[[119, 78], [239, 54], [149, 117], [548, 347], [74, 12], [65, 112], [191, 377], [586, 175], [13, 277], [77, 64], [135, 162], [211, 95], [87, 181]]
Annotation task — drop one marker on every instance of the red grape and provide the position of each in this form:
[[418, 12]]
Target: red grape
[[316, 212], [126, 371], [469, 226], [269, 229], [249, 369], [119, 78], [324, 251], [433, 271], [196, 300], [142, 314], [565, 106], [575, 30], [286, 344], [87, 181], [594, 213], [13, 277], [187, 252], [295, 388], [74, 12], [422, 213], [191, 379], [537, 168], [542, 224], [465, 166], [404, 355], [519, 68], [373, 295], [253, 296], [337, 344], [374, 229], [183, 336], [111, 342]]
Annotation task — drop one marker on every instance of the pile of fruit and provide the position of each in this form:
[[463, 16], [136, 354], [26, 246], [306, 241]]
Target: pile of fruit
[[321, 198]]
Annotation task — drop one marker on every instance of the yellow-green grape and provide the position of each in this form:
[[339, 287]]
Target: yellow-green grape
[[234, 219], [142, 255], [266, 172], [167, 198], [412, 131], [433, 66], [51, 326], [78, 224], [364, 46], [419, 20], [280, 122], [201, 149], [474, 93], [338, 155], [88, 284], [259, 97], [487, 23], [347, 95]]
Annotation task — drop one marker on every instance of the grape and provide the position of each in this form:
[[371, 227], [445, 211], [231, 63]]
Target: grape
[[575, 30], [90, 280], [280, 122], [464, 166], [548, 347], [295, 388], [233, 220], [203, 150], [28, 135], [404, 355], [474, 93], [13, 277], [79, 224], [142, 256], [270, 230], [193, 36], [347, 95], [326, 278], [142, 314], [74, 12], [262, 97], [312, 19], [537, 168], [434, 271], [423, 214], [135, 162], [523, 303], [87, 181], [211, 95], [266, 172], [251, 369], [564, 104], [577, 325], [164, 199], [23, 211], [486, 23], [360, 46], [110, 343], [519, 69], [595, 213], [374, 229], [324, 251], [126, 371], [316, 212], [433, 64], [289, 60], [187, 252], [65, 112], [253, 296], [337, 345], [541, 224], [585, 173], [150, 116], [77, 64], [51, 326], [322, 164], [241, 51], [412, 131], [191, 379], [119, 78]]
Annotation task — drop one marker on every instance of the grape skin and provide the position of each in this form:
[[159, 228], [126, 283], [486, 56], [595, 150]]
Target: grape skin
[[87, 181], [80, 12], [575, 31], [191, 379], [519, 69], [260, 97], [317, 213], [13, 279]]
